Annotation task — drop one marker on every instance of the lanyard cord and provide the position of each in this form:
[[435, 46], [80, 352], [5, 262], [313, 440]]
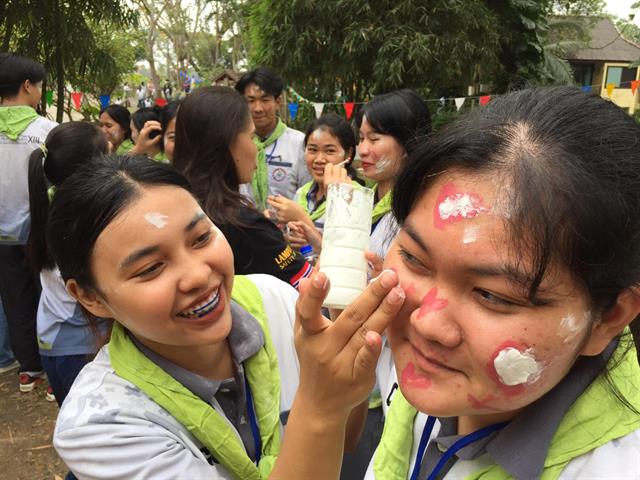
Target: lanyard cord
[[257, 441], [269, 156], [458, 445]]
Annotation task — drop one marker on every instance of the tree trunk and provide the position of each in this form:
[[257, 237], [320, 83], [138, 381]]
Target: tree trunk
[[8, 28], [59, 66]]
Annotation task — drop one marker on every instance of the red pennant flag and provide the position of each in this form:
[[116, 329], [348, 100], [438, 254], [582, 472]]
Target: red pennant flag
[[77, 99], [348, 109], [485, 99], [161, 102], [634, 86]]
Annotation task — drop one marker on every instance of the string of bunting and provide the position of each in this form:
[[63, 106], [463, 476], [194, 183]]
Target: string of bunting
[[458, 101]]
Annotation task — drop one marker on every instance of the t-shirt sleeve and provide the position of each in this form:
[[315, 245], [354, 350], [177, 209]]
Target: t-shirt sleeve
[[260, 247]]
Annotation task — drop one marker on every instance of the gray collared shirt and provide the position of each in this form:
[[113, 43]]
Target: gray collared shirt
[[245, 340], [521, 447]]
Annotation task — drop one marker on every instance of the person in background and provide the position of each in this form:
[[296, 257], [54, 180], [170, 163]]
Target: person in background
[[146, 133], [281, 165], [141, 95], [8, 363], [22, 131], [66, 340], [115, 122], [167, 90], [216, 152], [512, 356], [168, 124]]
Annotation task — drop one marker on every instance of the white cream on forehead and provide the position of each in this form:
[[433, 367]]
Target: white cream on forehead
[[459, 204], [156, 219], [470, 234], [515, 367]]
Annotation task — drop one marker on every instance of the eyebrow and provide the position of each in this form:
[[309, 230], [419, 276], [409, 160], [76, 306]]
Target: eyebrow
[[146, 251]]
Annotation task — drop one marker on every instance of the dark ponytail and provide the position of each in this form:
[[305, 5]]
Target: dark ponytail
[[67, 147], [37, 252]]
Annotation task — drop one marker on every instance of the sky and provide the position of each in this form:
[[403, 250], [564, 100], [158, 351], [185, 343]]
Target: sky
[[622, 9]]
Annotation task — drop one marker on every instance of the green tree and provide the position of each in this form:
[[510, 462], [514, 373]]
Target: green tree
[[63, 35], [578, 7]]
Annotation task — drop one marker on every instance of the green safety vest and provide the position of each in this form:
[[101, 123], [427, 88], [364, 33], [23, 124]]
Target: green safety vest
[[199, 417], [382, 207], [596, 418]]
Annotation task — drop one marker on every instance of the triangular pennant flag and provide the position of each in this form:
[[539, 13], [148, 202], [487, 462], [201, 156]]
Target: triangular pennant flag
[[49, 97], [634, 86], [318, 108], [77, 99], [586, 88], [161, 102], [293, 110], [610, 88], [442, 101], [104, 100], [485, 99], [348, 109], [459, 102]]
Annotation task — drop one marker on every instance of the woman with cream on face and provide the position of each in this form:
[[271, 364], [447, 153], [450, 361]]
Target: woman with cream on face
[[329, 145], [389, 126], [201, 363], [520, 270]]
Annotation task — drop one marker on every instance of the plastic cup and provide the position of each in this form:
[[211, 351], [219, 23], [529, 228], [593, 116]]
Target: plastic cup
[[347, 227]]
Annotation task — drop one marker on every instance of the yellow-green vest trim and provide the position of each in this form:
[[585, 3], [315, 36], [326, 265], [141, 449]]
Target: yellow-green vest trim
[[124, 147], [382, 207], [596, 418], [200, 418]]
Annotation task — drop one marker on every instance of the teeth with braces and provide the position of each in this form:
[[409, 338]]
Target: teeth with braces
[[204, 308]]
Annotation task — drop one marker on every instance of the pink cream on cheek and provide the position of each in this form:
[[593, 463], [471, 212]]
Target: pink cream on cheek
[[430, 303], [410, 379], [453, 205], [481, 404]]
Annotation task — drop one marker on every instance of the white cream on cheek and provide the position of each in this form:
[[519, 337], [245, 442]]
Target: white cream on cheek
[[382, 165], [156, 219], [571, 326], [515, 367]]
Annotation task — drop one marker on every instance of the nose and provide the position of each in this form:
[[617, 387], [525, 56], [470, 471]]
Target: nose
[[363, 148], [195, 276], [256, 106], [437, 325]]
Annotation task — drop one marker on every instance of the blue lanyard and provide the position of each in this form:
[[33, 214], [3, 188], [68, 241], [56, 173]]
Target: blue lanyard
[[252, 420], [458, 445], [269, 156]]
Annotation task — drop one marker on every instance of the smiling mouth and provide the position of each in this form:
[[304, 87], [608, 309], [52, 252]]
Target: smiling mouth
[[205, 307], [429, 364]]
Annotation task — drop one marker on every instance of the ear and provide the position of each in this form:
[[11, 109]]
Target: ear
[[613, 321], [278, 99], [88, 299]]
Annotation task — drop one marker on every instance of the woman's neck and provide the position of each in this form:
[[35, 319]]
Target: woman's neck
[[320, 191], [383, 188], [214, 361]]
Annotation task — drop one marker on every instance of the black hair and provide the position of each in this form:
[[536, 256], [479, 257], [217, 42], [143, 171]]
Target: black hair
[[90, 199], [265, 78], [121, 116], [143, 115], [67, 146], [168, 113], [401, 114], [14, 70], [209, 121], [341, 129], [570, 166]]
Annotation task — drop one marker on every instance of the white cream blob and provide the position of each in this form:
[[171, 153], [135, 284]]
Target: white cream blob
[[570, 326], [382, 164], [470, 234], [156, 219], [515, 367], [461, 204]]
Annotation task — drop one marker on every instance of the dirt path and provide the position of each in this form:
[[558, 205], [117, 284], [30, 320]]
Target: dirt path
[[26, 425]]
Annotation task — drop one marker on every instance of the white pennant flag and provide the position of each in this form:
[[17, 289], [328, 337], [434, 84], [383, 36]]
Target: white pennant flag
[[459, 102], [443, 101], [319, 107]]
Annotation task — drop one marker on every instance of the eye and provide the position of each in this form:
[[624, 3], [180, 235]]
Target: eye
[[203, 239], [491, 299], [150, 271], [410, 260]]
